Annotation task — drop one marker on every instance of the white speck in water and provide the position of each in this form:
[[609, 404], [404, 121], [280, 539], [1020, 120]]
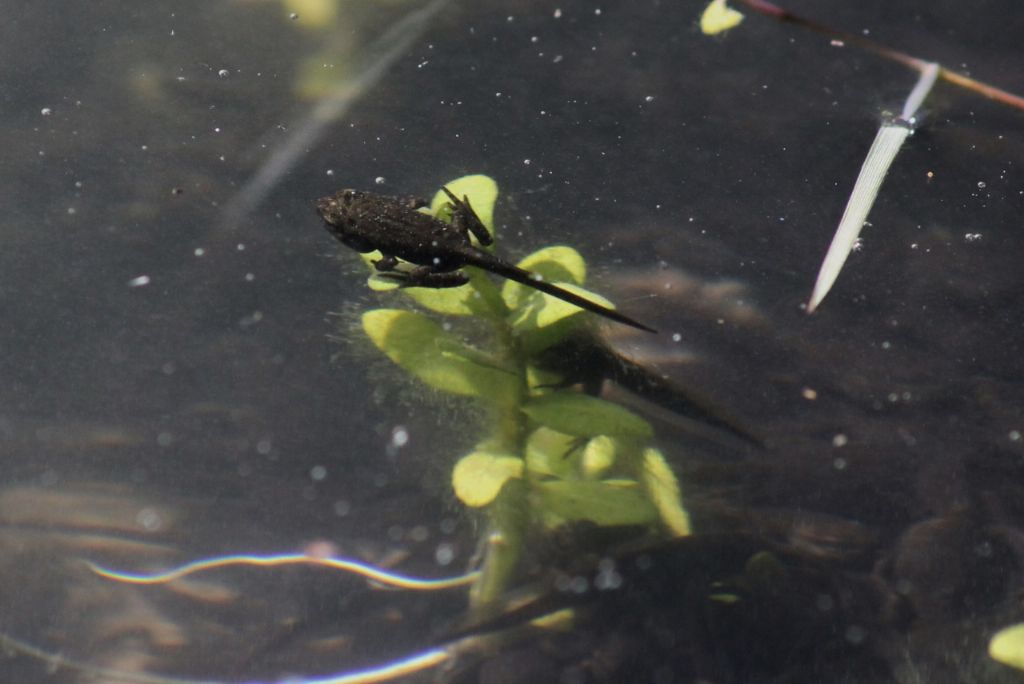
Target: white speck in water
[[139, 281], [676, 337], [839, 464], [526, 162], [399, 436], [200, 251], [149, 519], [444, 554], [840, 440], [164, 439], [72, 211], [982, 185], [317, 473], [1014, 435], [46, 111], [330, 172], [249, 277], [597, 11], [649, 98], [293, 16], [558, 13], [342, 508], [167, 369], [223, 73], [608, 576], [380, 180], [972, 237], [240, 246], [264, 447]]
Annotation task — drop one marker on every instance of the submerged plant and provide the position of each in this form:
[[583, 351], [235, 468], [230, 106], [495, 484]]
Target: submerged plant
[[550, 455]]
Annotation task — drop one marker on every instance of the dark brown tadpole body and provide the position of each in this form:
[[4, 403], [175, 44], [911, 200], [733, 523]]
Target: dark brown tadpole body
[[367, 222]]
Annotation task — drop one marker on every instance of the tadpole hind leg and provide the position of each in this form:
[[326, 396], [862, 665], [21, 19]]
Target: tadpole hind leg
[[464, 219], [387, 262], [424, 276]]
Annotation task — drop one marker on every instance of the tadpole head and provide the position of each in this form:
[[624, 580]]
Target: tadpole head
[[335, 208]]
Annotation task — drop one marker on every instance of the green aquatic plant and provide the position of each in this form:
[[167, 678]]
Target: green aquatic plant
[[1007, 646], [549, 455]]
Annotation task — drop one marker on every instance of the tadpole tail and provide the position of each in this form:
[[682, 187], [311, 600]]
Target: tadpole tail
[[517, 274]]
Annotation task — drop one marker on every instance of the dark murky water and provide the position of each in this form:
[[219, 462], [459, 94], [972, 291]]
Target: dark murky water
[[169, 390]]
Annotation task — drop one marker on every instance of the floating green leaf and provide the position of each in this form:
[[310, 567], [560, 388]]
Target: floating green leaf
[[718, 17], [555, 264], [1007, 646], [423, 348], [599, 502], [663, 490], [584, 416], [482, 192], [478, 477]]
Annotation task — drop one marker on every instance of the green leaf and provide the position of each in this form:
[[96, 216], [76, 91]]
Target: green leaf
[[718, 17], [422, 347], [453, 301], [478, 477], [546, 452], [584, 416], [554, 264], [598, 456], [598, 502], [482, 192], [663, 490], [1007, 646], [542, 320], [378, 284], [543, 309]]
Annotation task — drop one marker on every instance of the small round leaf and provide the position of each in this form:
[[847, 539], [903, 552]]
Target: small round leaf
[[479, 476]]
